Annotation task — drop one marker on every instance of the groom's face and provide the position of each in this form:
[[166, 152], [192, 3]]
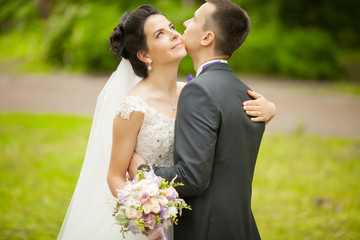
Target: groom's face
[[194, 32]]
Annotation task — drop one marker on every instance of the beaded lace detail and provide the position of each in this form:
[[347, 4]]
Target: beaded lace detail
[[155, 142]]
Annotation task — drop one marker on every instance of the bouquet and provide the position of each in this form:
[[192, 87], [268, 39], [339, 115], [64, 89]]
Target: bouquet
[[148, 204]]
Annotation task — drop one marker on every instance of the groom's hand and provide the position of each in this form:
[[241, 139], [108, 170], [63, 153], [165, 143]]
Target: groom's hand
[[135, 162]]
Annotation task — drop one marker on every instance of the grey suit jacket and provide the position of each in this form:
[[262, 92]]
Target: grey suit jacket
[[216, 146]]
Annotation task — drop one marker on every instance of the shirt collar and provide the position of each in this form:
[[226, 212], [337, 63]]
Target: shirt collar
[[200, 69]]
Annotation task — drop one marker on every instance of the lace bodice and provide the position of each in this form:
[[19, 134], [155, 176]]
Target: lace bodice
[[155, 141]]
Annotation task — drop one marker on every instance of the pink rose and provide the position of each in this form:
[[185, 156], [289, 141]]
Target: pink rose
[[149, 220]]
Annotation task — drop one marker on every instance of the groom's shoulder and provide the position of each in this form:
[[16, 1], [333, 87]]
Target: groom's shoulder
[[208, 78], [216, 79], [199, 84]]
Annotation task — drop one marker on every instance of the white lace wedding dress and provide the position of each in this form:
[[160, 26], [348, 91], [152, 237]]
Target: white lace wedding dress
[[155, 143], [89, 216]]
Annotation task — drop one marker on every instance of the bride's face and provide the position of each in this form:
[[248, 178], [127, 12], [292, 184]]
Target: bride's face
[[164, 43]]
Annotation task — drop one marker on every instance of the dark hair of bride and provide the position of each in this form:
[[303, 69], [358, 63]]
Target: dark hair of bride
[[128, 37]]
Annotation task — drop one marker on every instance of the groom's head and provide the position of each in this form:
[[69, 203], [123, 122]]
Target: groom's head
[[218, 26]]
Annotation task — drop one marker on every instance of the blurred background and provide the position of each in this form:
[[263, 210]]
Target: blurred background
[[300, 38], [304, 55]]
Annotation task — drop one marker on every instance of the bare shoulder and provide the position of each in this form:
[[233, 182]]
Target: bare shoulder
[[134, 123]]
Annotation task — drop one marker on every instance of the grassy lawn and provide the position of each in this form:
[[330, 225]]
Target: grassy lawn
[[305, 187], [41, 157]]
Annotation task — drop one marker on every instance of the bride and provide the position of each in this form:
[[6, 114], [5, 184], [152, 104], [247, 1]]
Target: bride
[[135, 112]]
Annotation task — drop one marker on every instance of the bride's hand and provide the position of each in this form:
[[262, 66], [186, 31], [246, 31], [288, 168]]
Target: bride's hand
[[135, 162], [260, 109]]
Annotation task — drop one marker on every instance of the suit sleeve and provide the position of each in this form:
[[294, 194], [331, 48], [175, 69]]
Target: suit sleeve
[[195, 140]]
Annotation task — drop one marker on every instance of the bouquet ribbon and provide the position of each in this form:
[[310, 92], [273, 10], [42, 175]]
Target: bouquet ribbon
[[156, 231]]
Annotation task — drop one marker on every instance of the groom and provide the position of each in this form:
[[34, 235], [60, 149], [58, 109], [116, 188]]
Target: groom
[[216, 143]]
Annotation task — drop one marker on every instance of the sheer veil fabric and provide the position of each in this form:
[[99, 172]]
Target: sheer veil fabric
[[89, 215]]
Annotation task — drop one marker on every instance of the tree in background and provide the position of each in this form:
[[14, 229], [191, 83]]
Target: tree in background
[[339, 18], [297, 38]]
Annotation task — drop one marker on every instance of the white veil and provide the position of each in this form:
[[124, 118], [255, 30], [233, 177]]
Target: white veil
[[89, 215]]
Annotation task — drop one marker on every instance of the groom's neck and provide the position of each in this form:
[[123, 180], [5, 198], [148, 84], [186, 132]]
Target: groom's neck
[[200, 60]]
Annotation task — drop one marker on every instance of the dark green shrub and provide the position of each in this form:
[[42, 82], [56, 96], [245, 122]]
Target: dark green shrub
[[302, 53], [256, 55], [307, 53], [16, 14]]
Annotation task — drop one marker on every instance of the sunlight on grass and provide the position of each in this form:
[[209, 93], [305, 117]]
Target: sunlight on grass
[[305, 187], [348, 88], [41, 158]]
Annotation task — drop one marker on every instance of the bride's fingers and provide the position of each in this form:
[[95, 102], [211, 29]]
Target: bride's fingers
[[252, 108], [258, 102], [254, 94], [253, 113], [257, 119]]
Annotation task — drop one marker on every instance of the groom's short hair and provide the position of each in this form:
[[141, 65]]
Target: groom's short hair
[[231, 25]]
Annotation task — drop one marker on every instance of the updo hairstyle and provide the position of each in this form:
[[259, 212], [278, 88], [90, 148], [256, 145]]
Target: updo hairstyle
[[128, 37]]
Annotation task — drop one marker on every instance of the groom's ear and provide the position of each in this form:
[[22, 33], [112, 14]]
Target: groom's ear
[[208, 39]]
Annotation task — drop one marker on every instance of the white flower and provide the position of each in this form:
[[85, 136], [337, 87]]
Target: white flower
[[128, 187], [141, 186], [131, 201], [163, 201], [171, 212], [155, 206], [152, 205], [147, 208], [132, 213], [152, 189]]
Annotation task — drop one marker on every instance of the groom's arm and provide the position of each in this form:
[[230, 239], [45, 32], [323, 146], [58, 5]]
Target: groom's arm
[[195, 139]]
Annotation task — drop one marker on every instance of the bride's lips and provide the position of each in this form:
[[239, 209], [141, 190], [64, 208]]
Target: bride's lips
[[177, 45]]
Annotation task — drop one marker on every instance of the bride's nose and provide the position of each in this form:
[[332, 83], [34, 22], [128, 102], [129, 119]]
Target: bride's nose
[[175, 35]]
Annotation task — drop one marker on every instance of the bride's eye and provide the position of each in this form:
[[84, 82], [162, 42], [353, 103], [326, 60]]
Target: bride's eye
[[173, 27], [159, 34]]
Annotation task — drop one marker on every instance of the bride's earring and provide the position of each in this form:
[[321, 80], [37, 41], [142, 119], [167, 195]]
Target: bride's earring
[[149, 67]]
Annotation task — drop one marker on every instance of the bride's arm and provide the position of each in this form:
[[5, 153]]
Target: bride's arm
[[124, 140]]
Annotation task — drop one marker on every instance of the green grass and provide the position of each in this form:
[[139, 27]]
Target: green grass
[[40, 160], [348, 88], [305, 187]]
